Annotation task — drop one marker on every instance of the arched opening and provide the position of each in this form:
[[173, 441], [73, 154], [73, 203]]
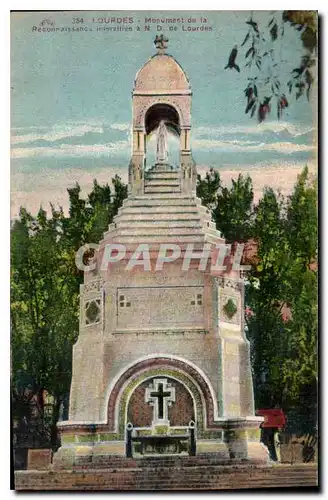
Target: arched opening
[[118, 399], [154, 115], [165, 112]]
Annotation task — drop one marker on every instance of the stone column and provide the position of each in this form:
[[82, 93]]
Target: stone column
[[137, 162]]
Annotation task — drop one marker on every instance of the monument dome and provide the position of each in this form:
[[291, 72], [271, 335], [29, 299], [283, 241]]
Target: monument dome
[[161, 73]]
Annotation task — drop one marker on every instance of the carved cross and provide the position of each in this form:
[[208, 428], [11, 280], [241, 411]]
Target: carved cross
[[160, 395]]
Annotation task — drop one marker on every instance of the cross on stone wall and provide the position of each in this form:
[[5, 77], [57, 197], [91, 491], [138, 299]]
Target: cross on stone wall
[[160, 395]]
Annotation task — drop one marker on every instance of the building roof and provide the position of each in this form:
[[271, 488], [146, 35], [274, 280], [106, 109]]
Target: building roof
[[161, 73]]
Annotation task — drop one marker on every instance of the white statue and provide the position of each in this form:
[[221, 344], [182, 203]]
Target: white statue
[[162, 150]]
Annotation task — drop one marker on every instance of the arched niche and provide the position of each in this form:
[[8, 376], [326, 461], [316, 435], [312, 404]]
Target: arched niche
[[164, 112], [154, 115]]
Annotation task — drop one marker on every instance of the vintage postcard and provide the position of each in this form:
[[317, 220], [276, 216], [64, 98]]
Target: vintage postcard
[[164, 250]]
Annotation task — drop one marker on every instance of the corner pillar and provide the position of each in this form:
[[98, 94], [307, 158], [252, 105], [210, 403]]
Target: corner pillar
[[137, 162]]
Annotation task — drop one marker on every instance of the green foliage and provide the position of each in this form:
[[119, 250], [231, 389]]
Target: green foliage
[[264, 60], [207, 188], [45, 289], [281, 288], [233, 212], [302, 219], [231, 207]]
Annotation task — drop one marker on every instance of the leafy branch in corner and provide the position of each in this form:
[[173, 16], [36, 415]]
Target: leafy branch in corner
[[266, 87]]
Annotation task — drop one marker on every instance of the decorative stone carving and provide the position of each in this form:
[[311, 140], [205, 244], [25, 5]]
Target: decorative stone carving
[[93, 311], [229, 308], [160, 394], [160, 277], [93, 286], [229, 283], [180, 103]]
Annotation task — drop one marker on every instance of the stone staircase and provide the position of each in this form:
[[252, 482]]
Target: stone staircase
[[162, 214], [162, 179], [168, 473]]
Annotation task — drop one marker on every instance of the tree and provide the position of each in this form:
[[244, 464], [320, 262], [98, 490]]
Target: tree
[[300, 364], [233, 211], [265, 61], [281, 289], [45, 291], [207, 188], [284, 346], [44, 306], [231, 207], [302, 216], [265, 295]]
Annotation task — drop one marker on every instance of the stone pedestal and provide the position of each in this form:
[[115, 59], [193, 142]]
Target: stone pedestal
[[237, 440], [39, 459]]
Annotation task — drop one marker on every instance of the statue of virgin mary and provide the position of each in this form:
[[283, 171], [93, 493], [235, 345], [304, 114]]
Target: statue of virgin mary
[[162, 151]]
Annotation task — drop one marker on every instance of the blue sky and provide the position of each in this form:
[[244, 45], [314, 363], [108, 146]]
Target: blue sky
[[71, 94]]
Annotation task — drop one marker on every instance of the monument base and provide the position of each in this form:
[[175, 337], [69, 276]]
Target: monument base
[[170, 473], [233, 440]]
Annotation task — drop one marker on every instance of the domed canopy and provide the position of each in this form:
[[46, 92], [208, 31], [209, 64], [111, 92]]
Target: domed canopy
[[160, 74]]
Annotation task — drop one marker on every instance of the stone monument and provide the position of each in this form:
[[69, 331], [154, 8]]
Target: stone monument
[[161, 343]]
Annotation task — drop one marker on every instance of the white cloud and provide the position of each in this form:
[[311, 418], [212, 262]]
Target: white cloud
[[72, 150], [285, 147], [66, 150], [254, 128], [205, 138], [61, 131], [121, 126], [250, 146], [57, 132]]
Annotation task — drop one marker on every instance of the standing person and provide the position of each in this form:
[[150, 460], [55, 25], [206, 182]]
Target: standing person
[[277, 443], [271, 439]]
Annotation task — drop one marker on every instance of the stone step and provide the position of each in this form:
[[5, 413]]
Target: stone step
[[165, 231], [162, 167], [157, 462], [160, 209], [212, 230], [154, 246], [167, 224], [156, 237], [162, 175], [161, 182], [156, 196], [210, 224], [158, 199], [165, 202], [152, 216], [162, 189], [136, 478], [166, 238], [166, 220], [135, 235]]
